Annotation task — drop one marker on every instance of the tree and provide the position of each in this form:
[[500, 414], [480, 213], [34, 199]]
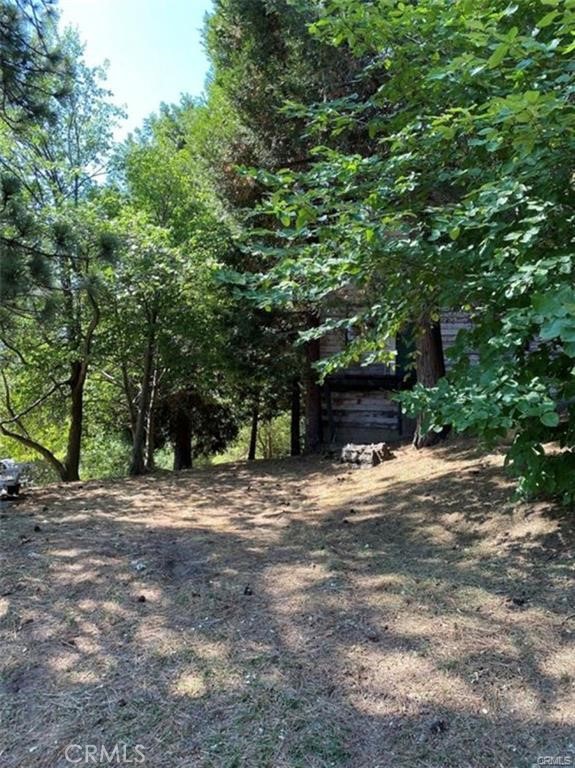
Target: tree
[[168, 324], [465, 204], [161, 336], [263, 58], [35, 75], [34, 71], [57, 163]]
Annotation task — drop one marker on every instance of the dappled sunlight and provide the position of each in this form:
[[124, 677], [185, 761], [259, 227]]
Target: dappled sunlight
[[334, 608], [413, 682], [189, 684], [4, 606]]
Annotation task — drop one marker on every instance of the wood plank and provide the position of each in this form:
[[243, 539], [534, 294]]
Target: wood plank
[[365, 420]]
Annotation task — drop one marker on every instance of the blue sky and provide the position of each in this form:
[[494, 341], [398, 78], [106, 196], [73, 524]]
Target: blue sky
[[154, 48]]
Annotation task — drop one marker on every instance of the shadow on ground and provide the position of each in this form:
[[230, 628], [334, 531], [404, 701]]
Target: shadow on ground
[[290, 613]]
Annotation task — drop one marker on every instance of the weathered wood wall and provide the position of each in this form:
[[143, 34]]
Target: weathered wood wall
[[368, 414], [362, 417]]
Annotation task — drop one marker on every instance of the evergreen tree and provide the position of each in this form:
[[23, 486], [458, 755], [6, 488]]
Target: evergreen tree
[[50, 268]]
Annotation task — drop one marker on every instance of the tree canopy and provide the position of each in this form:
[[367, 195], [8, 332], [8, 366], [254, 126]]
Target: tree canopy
[[465, 203], [171, 289]]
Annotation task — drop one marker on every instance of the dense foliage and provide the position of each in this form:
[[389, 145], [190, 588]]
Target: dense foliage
[[169, 291], [466, 203]]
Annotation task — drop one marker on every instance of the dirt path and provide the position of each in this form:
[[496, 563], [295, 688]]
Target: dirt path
[[288, 614]]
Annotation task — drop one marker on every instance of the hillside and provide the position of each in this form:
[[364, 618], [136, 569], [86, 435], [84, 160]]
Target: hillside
[[293, 613]]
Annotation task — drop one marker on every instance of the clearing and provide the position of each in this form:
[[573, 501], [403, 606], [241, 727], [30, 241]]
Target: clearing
[[290, 613]]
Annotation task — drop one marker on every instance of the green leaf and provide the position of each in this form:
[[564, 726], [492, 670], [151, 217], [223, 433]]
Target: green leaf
[[498, 55], [548, 19], [549, 418], [552, 329]]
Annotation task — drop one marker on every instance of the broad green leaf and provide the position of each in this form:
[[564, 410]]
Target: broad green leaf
[[550, 418], [498, 55], [548, 19]]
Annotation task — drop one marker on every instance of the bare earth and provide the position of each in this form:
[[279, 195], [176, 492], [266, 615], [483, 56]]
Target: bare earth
[[293, 613]]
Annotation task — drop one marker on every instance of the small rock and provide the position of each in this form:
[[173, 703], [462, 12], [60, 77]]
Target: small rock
[[366, 455], [372, 635], [438, 726], [517, 600]]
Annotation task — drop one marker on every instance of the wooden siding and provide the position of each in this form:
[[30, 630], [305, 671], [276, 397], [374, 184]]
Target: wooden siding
[[363, 417], [335, 341], [365, 413]]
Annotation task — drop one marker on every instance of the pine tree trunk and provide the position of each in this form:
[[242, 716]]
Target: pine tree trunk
[[430, 367], [182, 437], [295, 428], [25, 439], [254, 433], [74, 447], [313, 431], [78, 375]]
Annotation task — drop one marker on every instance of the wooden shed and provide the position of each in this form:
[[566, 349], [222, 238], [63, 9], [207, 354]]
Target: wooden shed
[[357, 403]]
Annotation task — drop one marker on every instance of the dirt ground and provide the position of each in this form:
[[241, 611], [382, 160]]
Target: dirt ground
[[289, 614]]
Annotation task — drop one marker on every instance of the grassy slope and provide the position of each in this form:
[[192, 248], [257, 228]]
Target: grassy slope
[[296, 613]]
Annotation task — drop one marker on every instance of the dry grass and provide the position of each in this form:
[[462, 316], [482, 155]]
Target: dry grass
[[296, 613]]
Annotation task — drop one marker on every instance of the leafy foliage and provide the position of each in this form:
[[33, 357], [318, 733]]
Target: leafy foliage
[[409, 158], [466, 203]]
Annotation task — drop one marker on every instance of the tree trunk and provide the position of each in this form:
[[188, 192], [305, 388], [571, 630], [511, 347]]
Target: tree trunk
[[150, 449], [151, 424], [138, 464], [313, 431], [68, 469], [182, 437], [270, 441], [35, 446], [295, 430], [430, 367], [73, 451], [254, 433], [130, 398]]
